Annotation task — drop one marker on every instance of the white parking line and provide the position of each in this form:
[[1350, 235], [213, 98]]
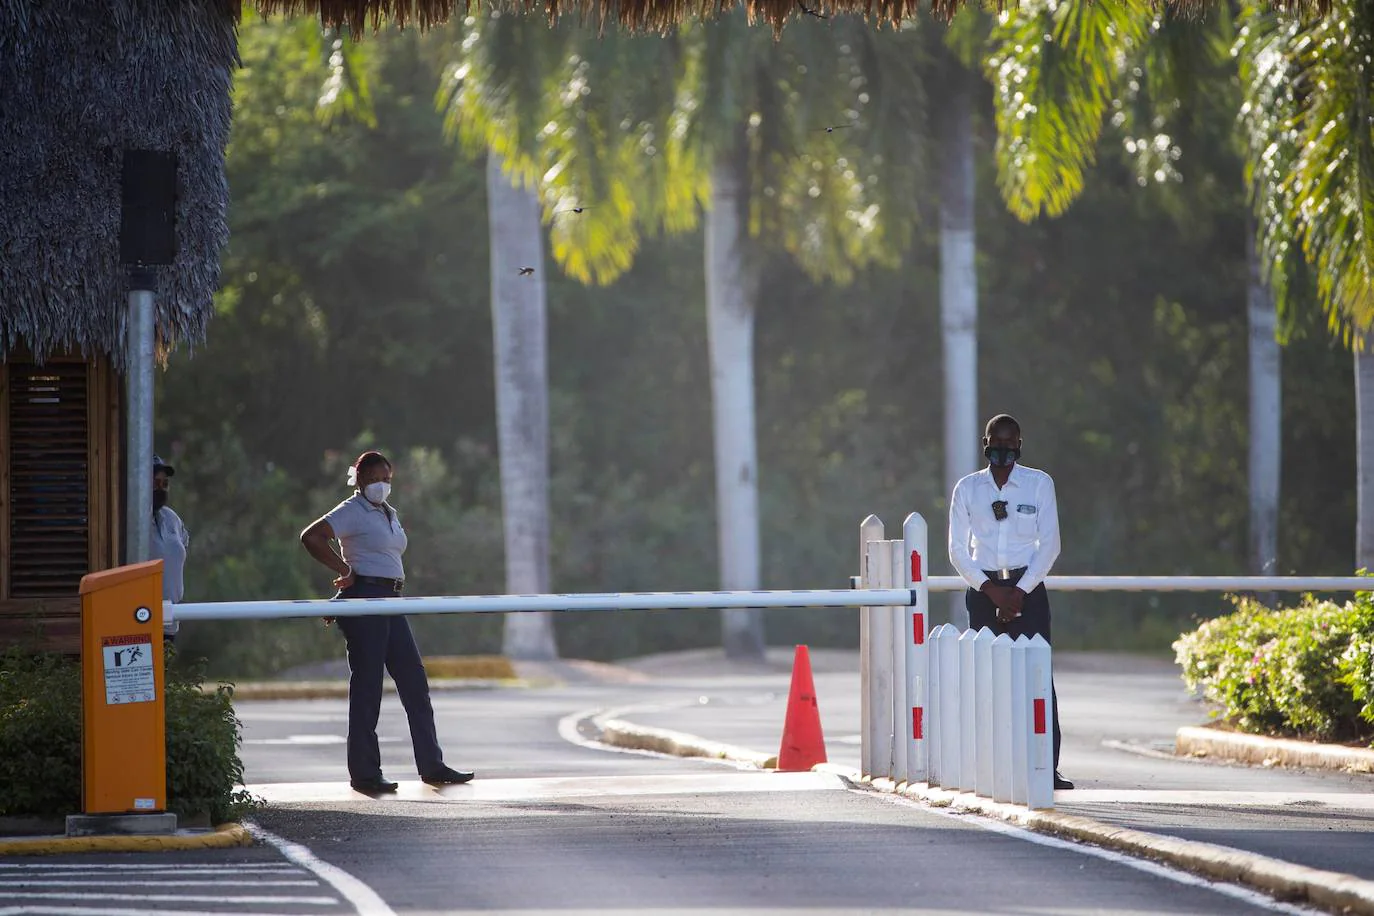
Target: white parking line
[[363, 898], [54, 871], [205, 867], [126, 882], [176, 898], [48, 909]]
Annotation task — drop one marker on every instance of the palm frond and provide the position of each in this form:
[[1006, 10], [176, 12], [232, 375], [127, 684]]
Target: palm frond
[[1054, 69], [1310, 151]]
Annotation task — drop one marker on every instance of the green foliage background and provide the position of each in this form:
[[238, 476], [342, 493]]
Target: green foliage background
[[354, 312]]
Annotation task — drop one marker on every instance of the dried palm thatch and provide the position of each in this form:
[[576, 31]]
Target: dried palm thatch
[[655, 15], [79, 83]]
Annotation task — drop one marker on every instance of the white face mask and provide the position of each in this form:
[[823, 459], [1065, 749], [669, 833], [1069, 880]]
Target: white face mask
[[377, 492]]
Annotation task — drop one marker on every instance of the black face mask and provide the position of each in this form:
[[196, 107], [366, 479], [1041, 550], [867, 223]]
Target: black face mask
[[159, 499], [999, 456]]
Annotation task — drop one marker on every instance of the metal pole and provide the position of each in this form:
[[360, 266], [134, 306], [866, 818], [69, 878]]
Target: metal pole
[[138, 406]]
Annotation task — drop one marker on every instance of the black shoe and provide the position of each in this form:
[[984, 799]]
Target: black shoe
[[373, 785], [448, 777], [1060, 782]]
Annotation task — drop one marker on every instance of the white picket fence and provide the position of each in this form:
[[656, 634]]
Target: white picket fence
[[964, 710], [967, 710]]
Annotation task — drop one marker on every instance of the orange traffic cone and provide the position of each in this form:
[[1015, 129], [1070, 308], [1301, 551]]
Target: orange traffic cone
[[803, 745]]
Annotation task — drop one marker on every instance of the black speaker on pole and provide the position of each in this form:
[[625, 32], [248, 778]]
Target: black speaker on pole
[[147, 224]]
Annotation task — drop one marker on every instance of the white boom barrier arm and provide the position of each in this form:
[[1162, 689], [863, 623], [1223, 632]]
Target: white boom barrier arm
[[1185, 583], [504, 604]]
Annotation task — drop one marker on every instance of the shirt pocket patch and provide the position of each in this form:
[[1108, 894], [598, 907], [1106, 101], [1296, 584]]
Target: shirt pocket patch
[[1025, 509]]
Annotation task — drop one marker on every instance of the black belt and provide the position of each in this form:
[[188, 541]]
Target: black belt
[[394, 584], [1004, 575]]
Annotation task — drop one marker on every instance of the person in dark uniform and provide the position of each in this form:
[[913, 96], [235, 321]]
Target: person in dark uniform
[[368, 565], [1003, 539]]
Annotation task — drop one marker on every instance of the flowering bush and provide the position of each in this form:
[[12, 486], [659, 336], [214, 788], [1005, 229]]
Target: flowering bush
[[1306, 670]]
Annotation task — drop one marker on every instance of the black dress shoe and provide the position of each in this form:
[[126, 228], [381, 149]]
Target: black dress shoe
[[447, 777], [1060, 782], [373, 785]]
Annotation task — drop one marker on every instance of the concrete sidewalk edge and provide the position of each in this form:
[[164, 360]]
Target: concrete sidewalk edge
[[1282, 880], [324, 690], [225, 836], [619, 733], [1193, 741]]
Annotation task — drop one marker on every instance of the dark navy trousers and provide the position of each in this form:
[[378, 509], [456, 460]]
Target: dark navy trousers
[[376, 644], [1034, 621]]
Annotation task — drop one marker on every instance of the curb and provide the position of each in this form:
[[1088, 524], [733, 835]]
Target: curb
[[225, 836], [1282, 880], [1192, 741], [619, 733], [327, 690]]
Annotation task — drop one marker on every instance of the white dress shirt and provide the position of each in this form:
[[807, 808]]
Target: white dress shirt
[[1028, 536]]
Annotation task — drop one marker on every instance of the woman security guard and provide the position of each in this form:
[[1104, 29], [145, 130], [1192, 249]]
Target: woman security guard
[[371, 541]]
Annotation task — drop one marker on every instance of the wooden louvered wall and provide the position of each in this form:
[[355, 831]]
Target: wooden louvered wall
[[59, 496]]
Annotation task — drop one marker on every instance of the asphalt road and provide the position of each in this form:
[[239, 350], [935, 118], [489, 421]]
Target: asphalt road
[[1119, 715], [554, 826]]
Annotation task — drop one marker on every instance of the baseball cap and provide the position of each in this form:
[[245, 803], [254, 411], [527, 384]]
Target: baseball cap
[[159, 465]]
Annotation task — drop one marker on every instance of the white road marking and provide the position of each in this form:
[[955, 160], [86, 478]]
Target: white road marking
[[128, 882], [50, 909], [567, 729], [177, 898], [505, 790], [1363, 801], [1245, 894], [363, 898], [204, 868]]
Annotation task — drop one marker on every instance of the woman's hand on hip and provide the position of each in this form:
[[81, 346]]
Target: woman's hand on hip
[[344, 581]]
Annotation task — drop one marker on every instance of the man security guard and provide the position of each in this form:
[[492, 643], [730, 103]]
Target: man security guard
[[1003, 539]]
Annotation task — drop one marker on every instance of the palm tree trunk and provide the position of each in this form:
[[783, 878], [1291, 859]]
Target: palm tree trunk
[[958, 290], [731, 287], [1364, 450], [518, 319], [1266, 434]]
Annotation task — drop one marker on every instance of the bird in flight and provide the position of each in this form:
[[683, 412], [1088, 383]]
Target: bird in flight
[[526, 271], [834, 127], [806, 10]]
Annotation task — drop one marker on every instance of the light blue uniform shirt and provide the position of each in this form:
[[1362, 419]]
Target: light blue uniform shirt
[[169, 544], [370, 541]]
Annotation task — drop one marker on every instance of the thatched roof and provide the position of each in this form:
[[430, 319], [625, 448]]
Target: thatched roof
[[79, 83], [360, 16]]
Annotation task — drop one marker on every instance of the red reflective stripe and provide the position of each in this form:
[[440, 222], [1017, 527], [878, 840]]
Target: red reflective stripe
[[915, 566], [917, 715], [918, 628], [1039, 716]]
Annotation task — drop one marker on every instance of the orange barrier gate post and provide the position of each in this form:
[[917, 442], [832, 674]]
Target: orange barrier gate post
[[123, 717]]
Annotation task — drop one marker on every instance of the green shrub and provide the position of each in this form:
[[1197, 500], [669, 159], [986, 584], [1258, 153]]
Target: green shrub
[[40, 735], [1304, 670], [40, 740]]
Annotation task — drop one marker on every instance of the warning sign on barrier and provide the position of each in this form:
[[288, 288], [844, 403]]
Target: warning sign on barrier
[[128, 669]]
